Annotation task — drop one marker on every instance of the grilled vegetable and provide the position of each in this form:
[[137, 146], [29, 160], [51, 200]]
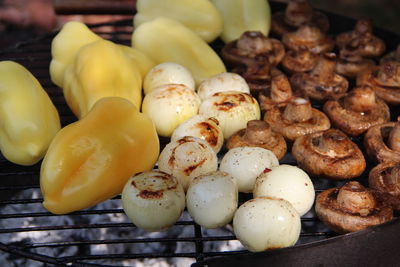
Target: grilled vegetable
[[164, 39], [89, 161], [29, 120]]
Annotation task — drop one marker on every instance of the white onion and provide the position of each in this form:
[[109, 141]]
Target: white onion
[[202, 127], [266, 223], [245, 164], [167, 73], [170, 105], [186, 158], [153, 200], [212, 199], [225, 81], [288, 182], [232, 109]]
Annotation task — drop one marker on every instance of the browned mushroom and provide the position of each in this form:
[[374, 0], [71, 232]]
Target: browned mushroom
[[391, 56], [253, 56], [350, 64], [297, 118], [258, 133], [279, 94], [385, 179], [351, 208], [329, 154], [361, 40], [384, 80], [296, 14], [310, 38], [358, 111], [382, 142], [321, 83], [299, 61]]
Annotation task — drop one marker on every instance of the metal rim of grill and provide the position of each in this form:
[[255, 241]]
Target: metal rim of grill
[[35, 56]]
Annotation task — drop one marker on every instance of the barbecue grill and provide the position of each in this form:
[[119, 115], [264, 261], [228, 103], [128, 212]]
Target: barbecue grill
[[104, 236]]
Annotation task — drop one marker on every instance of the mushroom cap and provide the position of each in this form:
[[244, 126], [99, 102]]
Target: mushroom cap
[[391, 56], [361, 40], [297, 13], [384, 80], [354, 114], [258, 133], [291, 128], [251, 46], [299, 60], [376, 145], [310, 38], [321, 83], [385, 178], [342, 220], [329, 154], [350, 66]]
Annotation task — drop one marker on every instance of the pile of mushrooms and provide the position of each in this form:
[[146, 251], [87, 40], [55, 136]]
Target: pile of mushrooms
[[321, 83], [351, 208], [297, 14], [304, 47], [384, 80], [297, 118], [358, 111], [329, 154], [253, 56], [356, 48], [382, 142]]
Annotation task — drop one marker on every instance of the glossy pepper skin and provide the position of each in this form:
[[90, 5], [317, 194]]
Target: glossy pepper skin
[[28, 118], [101, 69], [167, 40], [200, 16], [243, 15], [90, 160]]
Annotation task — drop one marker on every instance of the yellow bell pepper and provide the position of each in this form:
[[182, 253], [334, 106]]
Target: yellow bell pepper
[[90, 160], [65, 45], [164, 39], [101, 69], [200, 16], [73, 36], [243, 15], [28, 118]]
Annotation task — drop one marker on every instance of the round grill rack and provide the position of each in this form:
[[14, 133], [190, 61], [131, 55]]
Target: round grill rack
[[103, 235]]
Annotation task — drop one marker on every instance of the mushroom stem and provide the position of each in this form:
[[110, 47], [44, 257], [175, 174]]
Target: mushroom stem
[[298, 12], [299, 110], [356, 198], [392, 180], [389, 74], [332, 143], [281, 90], [394, 138], [360, 99], [258, 132], [252, 43], [325, 68]]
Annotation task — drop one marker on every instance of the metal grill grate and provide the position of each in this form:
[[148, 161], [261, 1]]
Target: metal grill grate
[[103, 236]]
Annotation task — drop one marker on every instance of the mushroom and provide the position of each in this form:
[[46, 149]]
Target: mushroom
[[310, 38], [299, 60], [385, 179], [361, 40], [351, 208], [350, 64], [258, 133], [358, 111], [321, 83], [253, 56], [329, 154], [296, 14], [391, 56], [297, 118], [382, 142], [279, 94], [384, 80]]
